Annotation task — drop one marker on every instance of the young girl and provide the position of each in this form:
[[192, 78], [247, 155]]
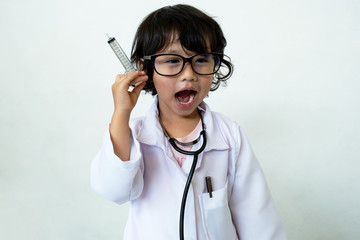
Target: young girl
[[180, 51]]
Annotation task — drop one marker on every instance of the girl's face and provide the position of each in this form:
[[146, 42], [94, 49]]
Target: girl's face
[[180, 95]]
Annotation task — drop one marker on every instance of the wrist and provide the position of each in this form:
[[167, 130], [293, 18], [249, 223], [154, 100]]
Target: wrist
[[123, 113]]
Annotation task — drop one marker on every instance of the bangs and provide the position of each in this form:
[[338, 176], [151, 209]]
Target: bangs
[[192, 37], [194, 29]]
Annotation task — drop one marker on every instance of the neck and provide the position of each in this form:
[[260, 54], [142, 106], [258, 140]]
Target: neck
[[179, 126]]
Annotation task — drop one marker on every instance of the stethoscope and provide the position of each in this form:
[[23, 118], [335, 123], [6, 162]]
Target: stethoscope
[[196, 153]]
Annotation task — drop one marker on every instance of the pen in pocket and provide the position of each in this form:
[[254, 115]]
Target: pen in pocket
[[209, 186]]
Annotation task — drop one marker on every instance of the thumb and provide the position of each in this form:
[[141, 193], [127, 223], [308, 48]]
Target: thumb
[[137, 89]]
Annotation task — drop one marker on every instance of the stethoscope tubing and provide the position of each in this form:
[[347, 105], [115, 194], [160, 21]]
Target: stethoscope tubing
[[188, 181]]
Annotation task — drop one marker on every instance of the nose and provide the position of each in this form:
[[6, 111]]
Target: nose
[[188, 74]]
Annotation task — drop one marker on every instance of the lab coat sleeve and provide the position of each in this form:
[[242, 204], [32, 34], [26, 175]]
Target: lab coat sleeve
[[114, 179], [251, 205]]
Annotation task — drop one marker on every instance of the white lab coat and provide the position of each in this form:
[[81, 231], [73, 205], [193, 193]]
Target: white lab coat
[[153, 182]]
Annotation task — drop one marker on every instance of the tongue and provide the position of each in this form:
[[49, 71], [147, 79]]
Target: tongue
[[183, 96]]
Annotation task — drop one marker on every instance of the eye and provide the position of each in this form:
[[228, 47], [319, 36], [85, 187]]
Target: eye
[[202, 59], [169, 59], [172, 60]]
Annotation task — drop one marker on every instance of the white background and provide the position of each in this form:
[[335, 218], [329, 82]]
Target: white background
[[295, 91]]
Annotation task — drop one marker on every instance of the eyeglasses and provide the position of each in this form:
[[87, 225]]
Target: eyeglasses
[[173, 64]]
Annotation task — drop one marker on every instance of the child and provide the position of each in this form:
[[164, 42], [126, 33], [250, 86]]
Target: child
[[180, 50]]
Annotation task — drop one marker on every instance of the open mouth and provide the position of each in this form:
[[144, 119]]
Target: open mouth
[[185, 96]]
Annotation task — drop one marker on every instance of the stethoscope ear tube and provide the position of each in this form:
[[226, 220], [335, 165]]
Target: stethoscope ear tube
[[183, 201]]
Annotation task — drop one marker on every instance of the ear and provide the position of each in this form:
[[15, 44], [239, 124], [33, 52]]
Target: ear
[[140, 64]]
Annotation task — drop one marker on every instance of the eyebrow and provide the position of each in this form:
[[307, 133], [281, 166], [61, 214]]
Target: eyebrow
[[178, 52], [172, 52]]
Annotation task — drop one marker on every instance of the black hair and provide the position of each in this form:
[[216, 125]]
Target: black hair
[[196, 32]]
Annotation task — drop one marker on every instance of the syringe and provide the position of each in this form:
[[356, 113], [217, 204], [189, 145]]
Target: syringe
[[120, 54]]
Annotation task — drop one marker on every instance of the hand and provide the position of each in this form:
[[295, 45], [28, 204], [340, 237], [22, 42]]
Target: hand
[[125, 100]]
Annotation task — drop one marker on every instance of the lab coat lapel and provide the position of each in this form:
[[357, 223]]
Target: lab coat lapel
[[151, 132], [215, 140]]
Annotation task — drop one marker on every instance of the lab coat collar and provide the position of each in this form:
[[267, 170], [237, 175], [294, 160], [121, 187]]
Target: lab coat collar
[[151, 132]]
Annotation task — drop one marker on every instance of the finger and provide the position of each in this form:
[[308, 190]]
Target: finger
[[139, 80], [137, 89], [127, 80], [119, 77]]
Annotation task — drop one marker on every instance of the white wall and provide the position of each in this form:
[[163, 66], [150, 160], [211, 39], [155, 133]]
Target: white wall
[[294, 91]]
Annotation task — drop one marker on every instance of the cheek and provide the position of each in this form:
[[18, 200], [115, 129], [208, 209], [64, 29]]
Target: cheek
[[162, 85], [208, 83], [157, 82]]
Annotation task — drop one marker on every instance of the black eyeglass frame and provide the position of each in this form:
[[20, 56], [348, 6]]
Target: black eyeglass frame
[[185, 60]]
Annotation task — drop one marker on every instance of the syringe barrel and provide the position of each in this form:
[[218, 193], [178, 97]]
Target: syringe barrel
[[119, 52]]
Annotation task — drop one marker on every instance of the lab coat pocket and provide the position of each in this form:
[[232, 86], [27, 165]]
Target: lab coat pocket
[[216, 216]]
